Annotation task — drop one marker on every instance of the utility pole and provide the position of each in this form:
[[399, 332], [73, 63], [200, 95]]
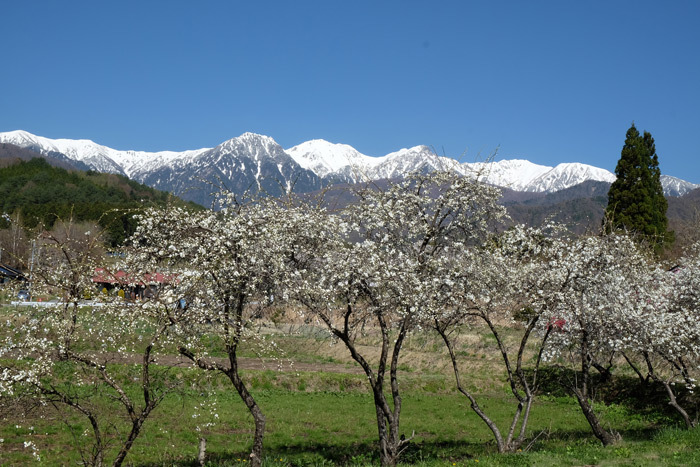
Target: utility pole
[[31, 271]]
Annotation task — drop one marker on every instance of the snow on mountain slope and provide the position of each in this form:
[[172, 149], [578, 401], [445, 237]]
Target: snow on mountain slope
[[261, 154], [257, 161], [566, 175], [92, 154], [135, 163], [340, 162], [249, 162], [325, 158], [675, 186], [97, 157], [328, 160], [515, 174], [415, 159]]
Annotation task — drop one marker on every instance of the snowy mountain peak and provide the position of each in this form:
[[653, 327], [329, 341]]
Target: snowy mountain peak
[[415, 151], [566, 175], [254, 137], [17, 136], [325, 158], [415, 159], [252, 142]]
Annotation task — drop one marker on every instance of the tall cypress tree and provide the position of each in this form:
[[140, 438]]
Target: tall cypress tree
[[636, 201]]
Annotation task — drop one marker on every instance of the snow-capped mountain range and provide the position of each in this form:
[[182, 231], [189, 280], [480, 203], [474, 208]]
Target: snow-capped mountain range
[[253, 161]]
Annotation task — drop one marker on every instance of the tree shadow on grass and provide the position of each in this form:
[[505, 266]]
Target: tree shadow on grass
[[643, 399], [420, 452], [318, 454]]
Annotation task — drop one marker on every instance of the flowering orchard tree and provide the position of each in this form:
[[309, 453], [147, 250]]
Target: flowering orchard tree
[[601, 279], [229, 263], [662, 334], [62, 354], [501, 285], [375, 266], [677, 342]]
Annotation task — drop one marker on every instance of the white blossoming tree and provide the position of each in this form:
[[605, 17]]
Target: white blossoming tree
[[229, 262], [68, 352], [662, 334], [602, 277], [502, 285], [375, 266]]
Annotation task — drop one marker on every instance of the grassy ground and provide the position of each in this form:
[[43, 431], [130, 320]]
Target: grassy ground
[[327, 417], [338, 427]]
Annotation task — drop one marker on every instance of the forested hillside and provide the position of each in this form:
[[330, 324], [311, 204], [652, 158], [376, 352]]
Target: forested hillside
[[40, 193], [581, 207]]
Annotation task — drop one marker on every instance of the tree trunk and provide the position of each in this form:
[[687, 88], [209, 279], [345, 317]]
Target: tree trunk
[[500, 443], [133, 434], [388, 454], [604, 436], [674, 403], [246, 396], [390, 441], [201, 457], [582, 395], [258, 417], [387, 422], [388, 457], [642, 379], [99, 452]]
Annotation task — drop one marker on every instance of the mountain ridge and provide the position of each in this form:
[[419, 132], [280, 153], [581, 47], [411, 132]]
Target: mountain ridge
[[257, 162]]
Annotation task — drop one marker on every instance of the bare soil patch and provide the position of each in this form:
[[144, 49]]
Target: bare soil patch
[[244, 363]]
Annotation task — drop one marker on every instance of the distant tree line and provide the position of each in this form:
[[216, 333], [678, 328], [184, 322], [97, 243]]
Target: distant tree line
[[40, 194]]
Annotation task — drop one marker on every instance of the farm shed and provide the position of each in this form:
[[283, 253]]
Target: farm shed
[[133, 287]]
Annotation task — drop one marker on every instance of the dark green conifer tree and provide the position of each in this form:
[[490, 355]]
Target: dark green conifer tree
[[636, 201]]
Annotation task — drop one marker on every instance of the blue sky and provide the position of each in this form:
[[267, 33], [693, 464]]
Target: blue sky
[[548, 81]]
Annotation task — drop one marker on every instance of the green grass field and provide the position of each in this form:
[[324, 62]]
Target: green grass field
[[326, 417]]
